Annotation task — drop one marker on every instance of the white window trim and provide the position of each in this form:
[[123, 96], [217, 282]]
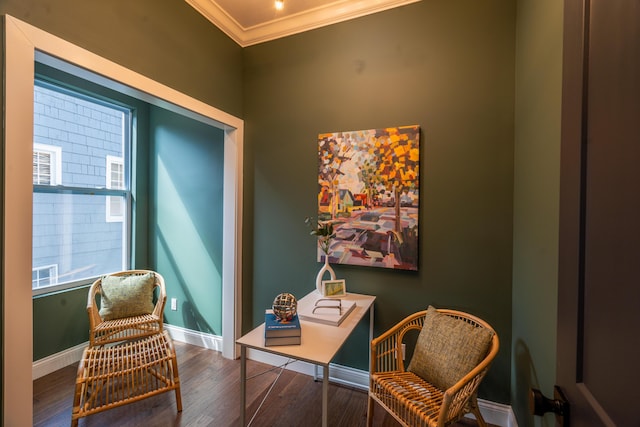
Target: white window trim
[[56, 160]]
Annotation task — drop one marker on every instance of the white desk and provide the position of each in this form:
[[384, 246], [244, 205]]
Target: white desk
[[320, 343]]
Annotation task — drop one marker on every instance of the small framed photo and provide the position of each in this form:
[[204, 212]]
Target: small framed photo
[[334, 288]]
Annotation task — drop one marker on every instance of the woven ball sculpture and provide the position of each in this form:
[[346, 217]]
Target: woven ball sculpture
[[285, 306]]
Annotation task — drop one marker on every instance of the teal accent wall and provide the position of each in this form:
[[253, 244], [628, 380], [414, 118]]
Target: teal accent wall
[[536, 203], [447, 66], [186, 218], [178, 219]]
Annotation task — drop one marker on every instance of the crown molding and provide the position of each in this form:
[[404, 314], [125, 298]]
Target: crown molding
[[291, 24]]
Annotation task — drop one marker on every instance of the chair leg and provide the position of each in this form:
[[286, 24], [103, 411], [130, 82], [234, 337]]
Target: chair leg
[[79, 389], [369, 411], [476, 411], [176, 376]]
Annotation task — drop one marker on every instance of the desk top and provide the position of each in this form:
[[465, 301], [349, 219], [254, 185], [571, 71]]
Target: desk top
[[319, 342]]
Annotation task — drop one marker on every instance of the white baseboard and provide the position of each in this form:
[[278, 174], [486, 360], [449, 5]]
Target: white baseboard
[[494, 413], [57, 361], [200, 339]]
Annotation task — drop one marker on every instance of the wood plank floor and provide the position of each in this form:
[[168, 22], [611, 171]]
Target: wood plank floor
[[211, 397]]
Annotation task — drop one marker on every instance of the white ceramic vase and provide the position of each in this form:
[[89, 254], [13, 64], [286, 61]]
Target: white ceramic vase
[[320, 277]]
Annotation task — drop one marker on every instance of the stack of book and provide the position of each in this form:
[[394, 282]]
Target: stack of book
[[278, 332], [328, 311]]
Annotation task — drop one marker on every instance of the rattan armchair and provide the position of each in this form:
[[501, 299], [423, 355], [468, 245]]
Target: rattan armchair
[[129, 357], [109, 331], [411, 399]]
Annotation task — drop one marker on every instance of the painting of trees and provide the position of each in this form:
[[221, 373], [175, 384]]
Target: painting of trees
[[374, 171]]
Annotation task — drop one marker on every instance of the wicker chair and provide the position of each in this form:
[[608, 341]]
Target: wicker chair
[[108, 331], [410, 398], [128, 358]]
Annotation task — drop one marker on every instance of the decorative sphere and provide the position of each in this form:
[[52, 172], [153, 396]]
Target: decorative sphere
[[285, 306]]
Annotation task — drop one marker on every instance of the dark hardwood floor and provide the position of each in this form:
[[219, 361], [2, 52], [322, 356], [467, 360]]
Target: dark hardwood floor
[[211, 397]]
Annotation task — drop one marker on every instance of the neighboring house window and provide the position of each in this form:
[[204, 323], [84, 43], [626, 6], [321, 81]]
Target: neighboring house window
[[115, 180], [80, 171], [47, 164], [44, 276]]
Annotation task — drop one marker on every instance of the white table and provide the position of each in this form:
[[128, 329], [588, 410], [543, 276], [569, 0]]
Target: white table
[[319, 345]]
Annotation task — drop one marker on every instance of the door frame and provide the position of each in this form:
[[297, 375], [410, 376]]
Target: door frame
[[23, 43]]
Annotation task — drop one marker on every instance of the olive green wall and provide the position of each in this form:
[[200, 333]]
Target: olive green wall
[[536, 204], [186, 218], [445, 65], [167, 41]]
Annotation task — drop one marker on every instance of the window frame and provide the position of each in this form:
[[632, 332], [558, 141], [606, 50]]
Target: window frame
[[59, 188]]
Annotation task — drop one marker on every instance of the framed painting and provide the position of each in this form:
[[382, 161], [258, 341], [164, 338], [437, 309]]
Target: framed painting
[[334, 288], [368, 188]]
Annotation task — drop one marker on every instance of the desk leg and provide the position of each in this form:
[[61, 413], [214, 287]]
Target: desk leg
[[243, 384], [370, 336], [325, 395]]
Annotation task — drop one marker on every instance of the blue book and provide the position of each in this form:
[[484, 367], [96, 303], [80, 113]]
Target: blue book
[[274, 328]]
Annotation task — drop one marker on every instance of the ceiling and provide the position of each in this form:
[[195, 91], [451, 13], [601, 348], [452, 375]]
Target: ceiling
[[250, 22]]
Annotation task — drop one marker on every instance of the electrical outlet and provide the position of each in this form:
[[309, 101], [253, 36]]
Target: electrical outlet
[[404, 351], [174, 304]]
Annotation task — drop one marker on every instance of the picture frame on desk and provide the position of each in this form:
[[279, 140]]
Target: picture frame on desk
[[334, 288]]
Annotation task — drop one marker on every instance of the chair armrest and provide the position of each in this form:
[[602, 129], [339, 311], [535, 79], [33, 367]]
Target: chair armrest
[[158, 310], [92, 309], [386, 350], [457, 396]]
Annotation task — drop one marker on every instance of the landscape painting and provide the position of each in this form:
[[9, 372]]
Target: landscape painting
[[369, 190]]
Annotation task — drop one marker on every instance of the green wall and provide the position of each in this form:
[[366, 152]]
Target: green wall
[[447, 66], [186, 218], [167, 41], [536, 204]]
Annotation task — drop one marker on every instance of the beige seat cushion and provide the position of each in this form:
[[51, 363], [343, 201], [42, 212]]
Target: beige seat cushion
[[126, 296], [447, 349]]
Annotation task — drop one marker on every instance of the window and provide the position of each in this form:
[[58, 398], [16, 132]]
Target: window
[[46, 164], [44, 276], [115, 180], [80, 171]]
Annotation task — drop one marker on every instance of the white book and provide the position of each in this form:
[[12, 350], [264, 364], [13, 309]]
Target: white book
[[330, 311]]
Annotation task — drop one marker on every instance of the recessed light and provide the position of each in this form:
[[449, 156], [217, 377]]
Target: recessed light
[[279, 4]]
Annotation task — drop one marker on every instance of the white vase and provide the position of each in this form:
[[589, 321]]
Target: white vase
[[320, 277]]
